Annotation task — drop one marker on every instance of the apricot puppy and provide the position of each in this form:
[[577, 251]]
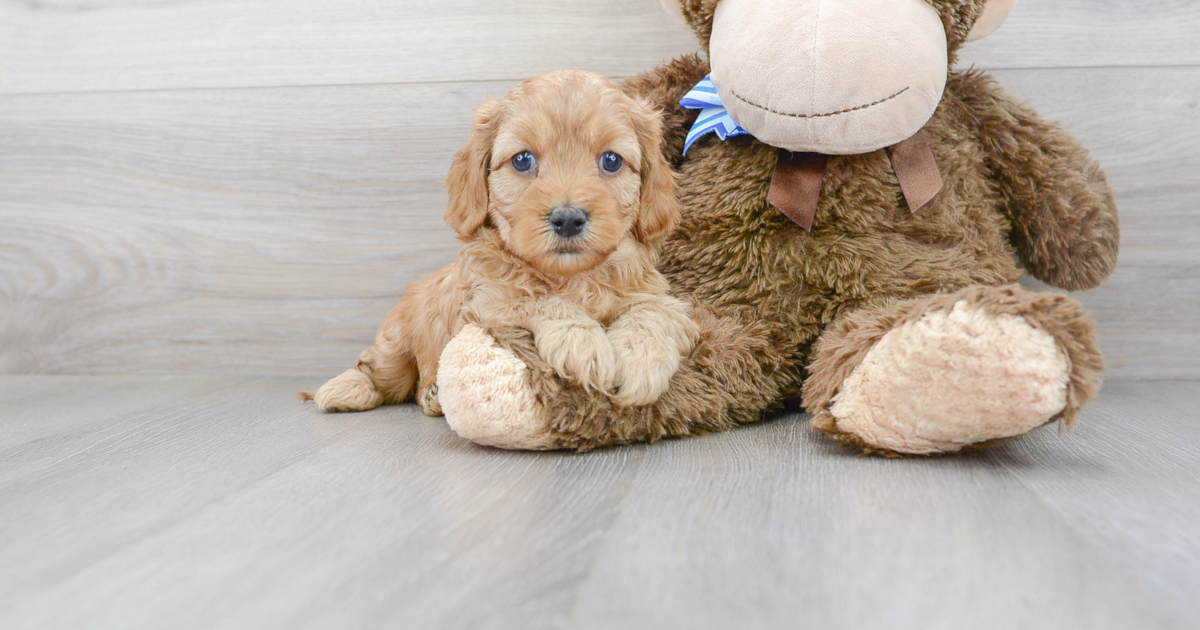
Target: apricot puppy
[[561, 198]]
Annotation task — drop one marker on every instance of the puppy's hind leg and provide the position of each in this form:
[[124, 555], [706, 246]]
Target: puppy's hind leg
[[416, 328], [381, 377], [349, 391]]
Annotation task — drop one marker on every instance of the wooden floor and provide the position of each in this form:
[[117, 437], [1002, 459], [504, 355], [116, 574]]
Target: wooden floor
[[183, 502]]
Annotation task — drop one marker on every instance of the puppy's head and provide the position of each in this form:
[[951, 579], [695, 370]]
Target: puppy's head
[[566, 167]]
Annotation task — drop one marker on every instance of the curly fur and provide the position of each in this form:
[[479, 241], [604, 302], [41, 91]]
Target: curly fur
[[777, 306], [598, 308]]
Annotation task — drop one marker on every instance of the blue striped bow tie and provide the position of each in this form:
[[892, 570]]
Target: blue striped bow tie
[[713, 117]]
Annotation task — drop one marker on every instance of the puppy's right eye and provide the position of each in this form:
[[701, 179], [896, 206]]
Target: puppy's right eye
[[524, 162]]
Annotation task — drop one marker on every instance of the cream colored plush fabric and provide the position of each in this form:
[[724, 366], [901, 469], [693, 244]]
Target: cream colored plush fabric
[[994, 14], [953, 379], [486, 396], [839, 78]]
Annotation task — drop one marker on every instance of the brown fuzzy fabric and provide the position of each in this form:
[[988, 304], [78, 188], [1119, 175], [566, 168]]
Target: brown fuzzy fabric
[[699, 16], [1064, 218], [765, 290], [845, 344], [724, 382], [958, 16]]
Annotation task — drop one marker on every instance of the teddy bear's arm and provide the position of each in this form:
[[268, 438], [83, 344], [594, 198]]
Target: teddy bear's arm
[[731, 377], [1064, 219], [663, 87]]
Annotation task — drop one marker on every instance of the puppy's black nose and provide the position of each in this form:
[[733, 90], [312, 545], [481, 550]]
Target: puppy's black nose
[[567, 221]]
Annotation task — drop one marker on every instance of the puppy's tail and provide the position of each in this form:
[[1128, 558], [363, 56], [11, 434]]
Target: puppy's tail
[[306, 396]]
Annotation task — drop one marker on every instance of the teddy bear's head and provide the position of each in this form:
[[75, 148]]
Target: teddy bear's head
[[838, 77]]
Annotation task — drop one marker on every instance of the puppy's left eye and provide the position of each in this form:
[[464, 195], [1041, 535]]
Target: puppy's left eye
[[611, 162], [524, 162]]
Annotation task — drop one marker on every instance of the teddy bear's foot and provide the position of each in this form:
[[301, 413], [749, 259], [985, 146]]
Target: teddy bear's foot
[[953, 379], [944, 373], [485, 394]]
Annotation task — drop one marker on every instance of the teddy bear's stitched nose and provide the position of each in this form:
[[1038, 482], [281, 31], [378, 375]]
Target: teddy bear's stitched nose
[[567, 221]]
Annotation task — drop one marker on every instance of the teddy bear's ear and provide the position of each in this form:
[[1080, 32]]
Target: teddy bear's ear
[[675, 8], [994, 14]]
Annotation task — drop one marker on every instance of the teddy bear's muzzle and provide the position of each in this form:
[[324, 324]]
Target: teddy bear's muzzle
[[838, 78]]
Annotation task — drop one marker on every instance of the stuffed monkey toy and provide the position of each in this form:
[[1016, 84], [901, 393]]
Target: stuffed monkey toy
[[853, 210]]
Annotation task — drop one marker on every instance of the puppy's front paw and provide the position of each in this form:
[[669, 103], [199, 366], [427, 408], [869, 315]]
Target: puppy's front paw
[[578, 351], [637, 386], [650, 346], [644, 368], [350, 391]]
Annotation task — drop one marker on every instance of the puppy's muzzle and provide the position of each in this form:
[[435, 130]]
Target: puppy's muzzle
[[567, 221]]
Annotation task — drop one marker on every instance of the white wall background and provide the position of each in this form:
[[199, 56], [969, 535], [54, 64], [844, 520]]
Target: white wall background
[[247, 186]]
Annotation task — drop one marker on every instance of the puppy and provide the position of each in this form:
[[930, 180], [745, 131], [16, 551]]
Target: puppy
[[561, 198]]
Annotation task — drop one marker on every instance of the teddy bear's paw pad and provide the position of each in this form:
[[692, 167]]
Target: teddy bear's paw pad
[[484, 392], [349, 391], [952, 379]]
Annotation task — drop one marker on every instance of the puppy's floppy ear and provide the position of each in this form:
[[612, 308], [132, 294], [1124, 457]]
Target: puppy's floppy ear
[[659, 211], [467, 180]]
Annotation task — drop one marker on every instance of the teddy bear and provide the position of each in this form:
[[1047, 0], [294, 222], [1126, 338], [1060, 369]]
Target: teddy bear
[[854, 212]]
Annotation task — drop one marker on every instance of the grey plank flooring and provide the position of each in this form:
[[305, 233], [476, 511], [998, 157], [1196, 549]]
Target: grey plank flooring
[[201, 502]]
